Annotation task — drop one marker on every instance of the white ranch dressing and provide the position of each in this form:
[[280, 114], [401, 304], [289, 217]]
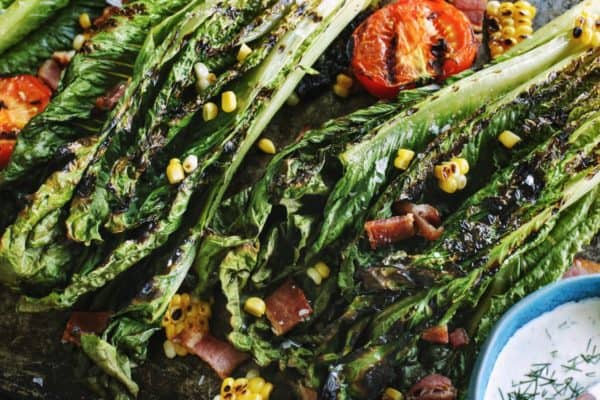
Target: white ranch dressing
[[555, 356]]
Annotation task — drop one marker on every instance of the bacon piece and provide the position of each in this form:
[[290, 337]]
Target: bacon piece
[[107, 13], [459, 338], [427, 218], [49, 72], [433, 387], [287, 307], [222, 357], [63, 58], [84, 322], [111, 98], [474, 10], [383, 232], [436, 334], [582, 267]]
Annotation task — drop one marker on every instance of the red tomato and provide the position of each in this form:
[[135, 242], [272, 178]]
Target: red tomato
[[411, 42], [21, 98]]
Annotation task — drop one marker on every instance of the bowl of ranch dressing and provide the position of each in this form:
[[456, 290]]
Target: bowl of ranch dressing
[[547, 346]]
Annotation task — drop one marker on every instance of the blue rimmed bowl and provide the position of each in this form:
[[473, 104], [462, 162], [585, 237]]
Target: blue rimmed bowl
[[531, 307]]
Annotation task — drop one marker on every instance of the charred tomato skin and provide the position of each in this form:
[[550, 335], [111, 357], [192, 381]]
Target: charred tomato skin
[[407, 43]]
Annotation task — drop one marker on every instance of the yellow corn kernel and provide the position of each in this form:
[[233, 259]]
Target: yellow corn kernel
[[267, 146], [525, 5], [508, 31], [240, 386], [596, 40], [509, 139], [169, 349], [322, 269], [266, 390], [523, 30], [314, 275], [255, 306], [84, 21], [179, 327], [209, 111], [508, 21], [190, 163], [180, 350], [228, 101], [341, 91], [170, 331], [185, 300], [176, 300], [344, 81], [293, 100], [227, 388], [403, 159], [78, 41], [524, 13], [243, 52], [463, 164], [461, 181], [449, 185], [493, 8], [249, 396], [255, 384], [175, 172], [506, 9], [392, 394], [496, 50]]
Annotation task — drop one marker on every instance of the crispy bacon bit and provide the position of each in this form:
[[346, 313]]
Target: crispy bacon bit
[[474, 10], [433, 387], [49, 73], [582, 267], [84, 322], [221, 356], [107, 13], [459, 338], [427, 218], [436, 334], [383, 232], [111, 98], [63, 58], [287, 307]]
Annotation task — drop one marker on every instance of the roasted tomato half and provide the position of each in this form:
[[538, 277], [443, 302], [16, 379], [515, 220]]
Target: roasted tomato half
[[21, 98], [411, 42]]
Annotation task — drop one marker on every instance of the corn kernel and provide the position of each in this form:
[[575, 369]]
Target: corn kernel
[[322, 269], [266, 390], [493, 8], [461, 182], [463, 164], [267, 146], [256, 384], [341, 91], [78, 41], [253, 373], [392, 394], [596, 40], [249, 396], [506, 9], [227, 388], [509, 139], [176, 300], [180, 350], [169, 349], [170, 331], [496, 50], [449, 185], [403, 159], [240, 386], [190, 163], [587, 36], [209, 111], [293, 100], [228, 101], [508, 21], [175, 172], [344, 81], [314, 275], [185, 298], [84, 21], [243, 52], [523, 30], [508, 31], [255, 306]]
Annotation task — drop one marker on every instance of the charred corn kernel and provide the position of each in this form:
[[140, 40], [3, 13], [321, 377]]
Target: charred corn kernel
[[509, 139], [175, 173], [169, 349], [510, 41], [341, 91], [253, 373], [267, 146], [523, 30], [293, 100], [84, 21], [180, 350], [243, 52], [314, 275], [344, 81], [403, 158], [266, 390], [78, 41], [506, 9], [190, 163], [322, 269], [249, 396], [228, 101], [255, 306], [240, 386], [209, 111], [256, 384], [227, 388], [492, 9], [461, 181], [392, 394], [449, 185], [463, 165]]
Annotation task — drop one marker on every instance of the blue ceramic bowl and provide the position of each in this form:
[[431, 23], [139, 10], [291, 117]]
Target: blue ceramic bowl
[[532, 306]]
